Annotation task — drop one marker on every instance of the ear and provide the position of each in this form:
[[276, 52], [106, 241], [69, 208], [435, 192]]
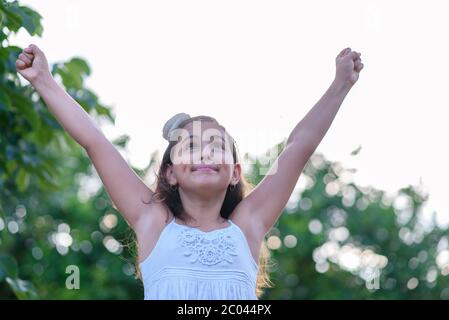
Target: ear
[[170, 175], [236, 174]]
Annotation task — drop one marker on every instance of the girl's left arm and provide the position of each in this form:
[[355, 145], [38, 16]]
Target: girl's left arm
[[267, 200]]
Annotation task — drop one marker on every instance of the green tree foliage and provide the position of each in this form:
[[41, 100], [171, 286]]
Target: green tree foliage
[[40, 169], [337, 240], [329, 243]]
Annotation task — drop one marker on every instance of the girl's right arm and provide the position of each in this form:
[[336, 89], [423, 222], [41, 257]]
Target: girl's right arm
[[123, 185]]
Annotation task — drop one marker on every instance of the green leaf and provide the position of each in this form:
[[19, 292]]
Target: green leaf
[[49, 168], [78, 65], [46, 181], [22, 180], [72, 73], [104, 111], [8, 267], [69, 79], [22, 289], [121, 141], [16, 17], [13, 20], [356, 151], [11, 52], [31, 21]]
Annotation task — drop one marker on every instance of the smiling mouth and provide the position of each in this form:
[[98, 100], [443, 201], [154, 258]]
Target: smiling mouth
[[205, 168]]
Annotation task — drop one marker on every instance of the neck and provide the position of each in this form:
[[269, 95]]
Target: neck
[[204, 210]]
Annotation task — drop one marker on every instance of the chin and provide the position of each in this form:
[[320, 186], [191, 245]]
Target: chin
[[204, 183]]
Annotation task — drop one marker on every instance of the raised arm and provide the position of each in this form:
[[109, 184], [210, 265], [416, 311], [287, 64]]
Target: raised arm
[[267, 200], [123, 185]]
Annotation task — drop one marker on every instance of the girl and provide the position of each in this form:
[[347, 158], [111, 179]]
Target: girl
[[201, 231]]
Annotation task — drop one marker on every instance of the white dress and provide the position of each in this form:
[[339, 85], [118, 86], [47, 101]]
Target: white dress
[[188, 263]]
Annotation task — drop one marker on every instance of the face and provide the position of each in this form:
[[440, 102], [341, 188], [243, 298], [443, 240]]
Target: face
[[202, 159]]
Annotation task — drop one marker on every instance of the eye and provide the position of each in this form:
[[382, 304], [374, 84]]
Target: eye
[[217, 145]]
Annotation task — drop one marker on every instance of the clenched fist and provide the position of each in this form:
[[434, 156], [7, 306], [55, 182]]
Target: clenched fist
[[32, 64], [348, 67]]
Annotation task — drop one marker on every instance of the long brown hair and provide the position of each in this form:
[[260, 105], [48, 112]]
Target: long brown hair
[[170, 197]]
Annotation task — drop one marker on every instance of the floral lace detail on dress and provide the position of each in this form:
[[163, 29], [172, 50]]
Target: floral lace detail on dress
[[207, 250]]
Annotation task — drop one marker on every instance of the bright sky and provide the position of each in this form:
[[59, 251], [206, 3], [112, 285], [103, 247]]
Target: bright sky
[[259, 66]]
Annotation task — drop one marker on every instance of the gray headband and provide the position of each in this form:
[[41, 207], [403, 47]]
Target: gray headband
[[173, 123]]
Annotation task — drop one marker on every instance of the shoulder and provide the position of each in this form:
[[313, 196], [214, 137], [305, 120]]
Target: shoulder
[[149, 228]]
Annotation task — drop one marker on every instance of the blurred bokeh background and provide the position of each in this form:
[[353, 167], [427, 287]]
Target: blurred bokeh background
[[368, 218]]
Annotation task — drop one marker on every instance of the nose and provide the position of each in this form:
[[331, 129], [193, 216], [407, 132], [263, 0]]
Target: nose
[[207, 155]]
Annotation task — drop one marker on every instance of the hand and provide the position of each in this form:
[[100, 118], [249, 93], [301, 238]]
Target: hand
[[32, 64], [348, 67]]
